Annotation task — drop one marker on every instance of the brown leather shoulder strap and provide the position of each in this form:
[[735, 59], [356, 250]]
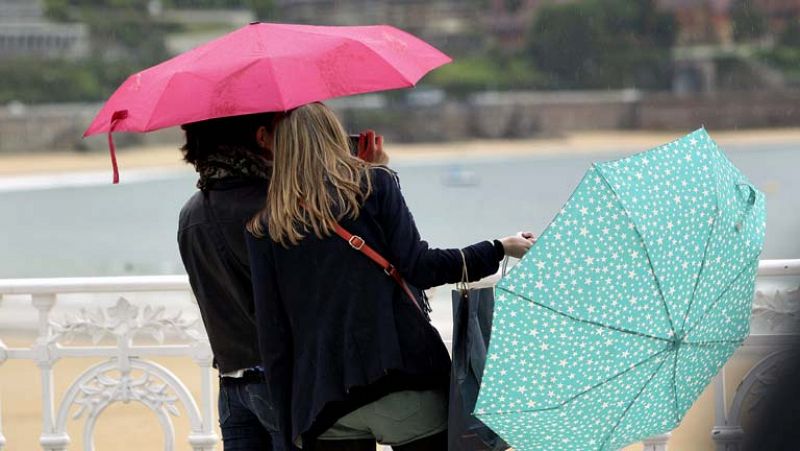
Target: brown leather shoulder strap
[[358, 243]]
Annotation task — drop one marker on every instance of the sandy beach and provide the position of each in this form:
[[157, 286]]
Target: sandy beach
[[577, 143]]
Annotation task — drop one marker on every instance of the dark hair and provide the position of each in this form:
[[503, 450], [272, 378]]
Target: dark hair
[[205, 137]]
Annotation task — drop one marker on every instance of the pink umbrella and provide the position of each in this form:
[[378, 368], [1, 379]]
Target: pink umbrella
[[265, 67]]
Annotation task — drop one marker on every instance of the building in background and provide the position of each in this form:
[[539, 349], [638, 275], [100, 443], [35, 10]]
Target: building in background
[[779, 12], [701, 21], [712, 21], [508, 21], [452, 25], [24, 31], [196, 21]]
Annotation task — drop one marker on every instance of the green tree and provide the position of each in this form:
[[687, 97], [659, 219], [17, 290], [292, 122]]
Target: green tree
[[29, 80], [564, 43], [263, 9], [477, 73], [790, 37], [785, 55], [603, 44], [749, 22]]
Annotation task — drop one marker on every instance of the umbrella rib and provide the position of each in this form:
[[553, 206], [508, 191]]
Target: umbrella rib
[[278, 93], [594, 323], [187, 73], [700, 273], [714, 302], [578, 395], [161, 95], [705, 252], [369, 49], [331, 95], [713, 342], [391, 66], [375, 52], [630, 404], [644, 246]]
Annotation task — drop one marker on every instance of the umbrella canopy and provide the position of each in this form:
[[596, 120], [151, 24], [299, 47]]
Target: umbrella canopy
[[629, 303], [266, 67]]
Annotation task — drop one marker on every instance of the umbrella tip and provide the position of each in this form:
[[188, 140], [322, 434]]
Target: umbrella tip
[[255, 22]]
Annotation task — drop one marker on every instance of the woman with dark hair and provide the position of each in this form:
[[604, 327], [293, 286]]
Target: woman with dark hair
[[349, 354], [233, 159]]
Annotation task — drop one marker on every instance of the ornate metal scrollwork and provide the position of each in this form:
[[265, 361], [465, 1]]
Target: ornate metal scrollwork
[[147, 383], [124, 321], [93, 395], [763, 379], [778, 312]]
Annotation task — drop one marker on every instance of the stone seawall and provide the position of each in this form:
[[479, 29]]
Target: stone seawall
[[720, 111], [483, 115], [56, 127]]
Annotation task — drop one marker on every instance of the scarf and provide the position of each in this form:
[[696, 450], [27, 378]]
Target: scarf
[[232, 161]]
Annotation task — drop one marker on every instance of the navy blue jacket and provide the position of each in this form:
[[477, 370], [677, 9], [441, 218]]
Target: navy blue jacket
[[335, 333]]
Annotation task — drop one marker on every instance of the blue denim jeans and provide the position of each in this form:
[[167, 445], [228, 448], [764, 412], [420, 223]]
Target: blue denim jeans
[[247, 420]]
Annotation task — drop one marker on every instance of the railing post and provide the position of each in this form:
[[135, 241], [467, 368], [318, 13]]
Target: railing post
[[3, 357], [725, 436], [49, 439], [2, 438], [656, 442], [206, 439]]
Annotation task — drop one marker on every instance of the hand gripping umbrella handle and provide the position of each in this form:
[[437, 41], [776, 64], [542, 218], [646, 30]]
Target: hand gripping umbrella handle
[[751, 201]]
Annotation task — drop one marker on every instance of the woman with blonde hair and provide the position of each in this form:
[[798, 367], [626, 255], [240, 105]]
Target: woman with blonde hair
[[338, 267]]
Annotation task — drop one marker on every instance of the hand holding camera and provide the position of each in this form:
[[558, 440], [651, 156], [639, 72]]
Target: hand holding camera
[[368, 146]]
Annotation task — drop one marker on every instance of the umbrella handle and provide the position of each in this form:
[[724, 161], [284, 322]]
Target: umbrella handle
[[751, 201], [112, 150]]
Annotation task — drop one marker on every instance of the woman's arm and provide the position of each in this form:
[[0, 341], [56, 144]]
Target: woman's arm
[[274, 336], [420, 265]]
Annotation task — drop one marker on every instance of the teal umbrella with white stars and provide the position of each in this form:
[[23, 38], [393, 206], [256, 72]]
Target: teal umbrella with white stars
[[629, 303]]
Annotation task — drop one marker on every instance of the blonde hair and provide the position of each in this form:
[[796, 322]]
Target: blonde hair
[[316, 181]]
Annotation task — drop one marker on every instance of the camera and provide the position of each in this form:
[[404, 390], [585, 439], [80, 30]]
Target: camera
[[352, 140]]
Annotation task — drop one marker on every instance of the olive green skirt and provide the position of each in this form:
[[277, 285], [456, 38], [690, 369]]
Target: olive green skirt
[[396, 419]]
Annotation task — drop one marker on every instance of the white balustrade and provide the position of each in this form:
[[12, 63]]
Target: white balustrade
[[128, 373], [656, 443]]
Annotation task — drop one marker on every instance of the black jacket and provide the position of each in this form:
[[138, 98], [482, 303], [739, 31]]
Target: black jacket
[[335, 332], [211, 241]]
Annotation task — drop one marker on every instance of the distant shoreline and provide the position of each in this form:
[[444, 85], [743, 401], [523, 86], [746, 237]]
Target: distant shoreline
[[579, 143]]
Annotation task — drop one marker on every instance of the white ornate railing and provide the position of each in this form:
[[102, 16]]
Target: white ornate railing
[[128, 374], [105, 317]]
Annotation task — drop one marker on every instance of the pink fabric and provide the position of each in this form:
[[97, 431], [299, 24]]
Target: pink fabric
[[267, 67]]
